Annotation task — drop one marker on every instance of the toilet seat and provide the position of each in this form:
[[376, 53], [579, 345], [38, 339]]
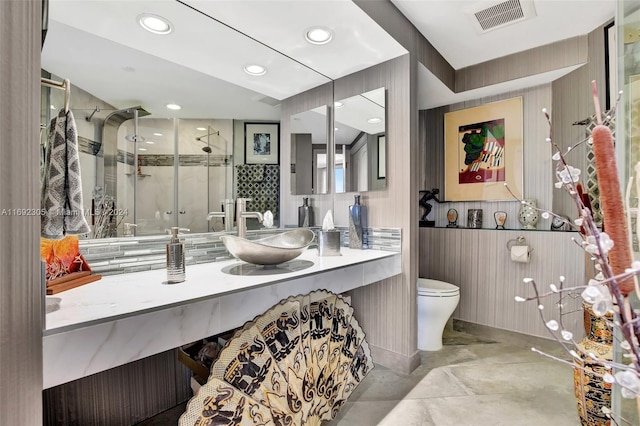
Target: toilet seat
[[437, 289]]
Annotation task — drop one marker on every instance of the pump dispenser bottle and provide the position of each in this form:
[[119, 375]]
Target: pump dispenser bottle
[[305, 214], [175, 257]]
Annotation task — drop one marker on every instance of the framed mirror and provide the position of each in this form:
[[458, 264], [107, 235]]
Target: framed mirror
[[360, 142], [309, 152], [182, 162]]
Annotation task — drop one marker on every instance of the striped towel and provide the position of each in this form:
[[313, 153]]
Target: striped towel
[[61, 195]]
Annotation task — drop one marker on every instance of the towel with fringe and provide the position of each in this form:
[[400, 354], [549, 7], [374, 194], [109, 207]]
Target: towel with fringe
[[61, 195]]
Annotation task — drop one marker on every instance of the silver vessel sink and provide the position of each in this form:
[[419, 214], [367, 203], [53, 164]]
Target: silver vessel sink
[[271, 250]]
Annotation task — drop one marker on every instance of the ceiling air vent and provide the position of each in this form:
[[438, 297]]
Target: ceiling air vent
[[502, 14], [270, 101]]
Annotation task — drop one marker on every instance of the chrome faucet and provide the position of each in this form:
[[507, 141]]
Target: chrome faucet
[[241, 205], [227, 214], [128, 230]]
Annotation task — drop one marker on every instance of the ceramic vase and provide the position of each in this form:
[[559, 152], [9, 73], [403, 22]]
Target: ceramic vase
[[500, 217], [528, 214], [358, 225], [592, 393]]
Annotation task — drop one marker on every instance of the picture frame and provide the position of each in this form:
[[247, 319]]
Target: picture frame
[[484, 151], [382, 157], [262, 143]]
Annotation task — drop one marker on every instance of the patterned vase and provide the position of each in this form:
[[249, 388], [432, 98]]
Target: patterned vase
[[528, 214], [592, 393]]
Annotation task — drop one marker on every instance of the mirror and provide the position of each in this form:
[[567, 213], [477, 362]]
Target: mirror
[[360, 142], [309, 152], [165, 178]]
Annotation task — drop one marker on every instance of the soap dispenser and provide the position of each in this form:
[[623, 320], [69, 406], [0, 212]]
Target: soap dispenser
[[305, 214], [175, 257]]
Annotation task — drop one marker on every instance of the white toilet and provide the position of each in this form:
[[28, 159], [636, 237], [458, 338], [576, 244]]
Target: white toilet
[[436, 302]]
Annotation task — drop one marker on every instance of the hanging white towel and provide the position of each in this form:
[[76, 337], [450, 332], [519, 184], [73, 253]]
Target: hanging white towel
[[62, 186]]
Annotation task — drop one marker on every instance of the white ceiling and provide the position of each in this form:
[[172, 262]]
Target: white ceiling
[[98, 45], [438, 20], [448, 26]]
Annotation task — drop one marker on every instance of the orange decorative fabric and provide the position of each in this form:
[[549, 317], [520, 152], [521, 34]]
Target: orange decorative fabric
[[62, 256]]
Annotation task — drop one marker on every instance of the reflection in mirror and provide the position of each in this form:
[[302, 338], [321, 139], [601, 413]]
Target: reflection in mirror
[[360, 142], [155, 173], [309, 152]]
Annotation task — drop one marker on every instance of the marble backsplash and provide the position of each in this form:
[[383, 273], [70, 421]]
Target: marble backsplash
[[112, 256]]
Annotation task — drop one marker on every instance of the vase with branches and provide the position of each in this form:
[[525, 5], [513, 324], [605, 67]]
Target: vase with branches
[[606, 295]]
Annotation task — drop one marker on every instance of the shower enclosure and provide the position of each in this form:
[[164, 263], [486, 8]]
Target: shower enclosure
[[174, 172]]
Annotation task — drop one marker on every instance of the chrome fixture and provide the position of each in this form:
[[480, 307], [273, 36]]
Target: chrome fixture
[[227, 214], [242, 215]]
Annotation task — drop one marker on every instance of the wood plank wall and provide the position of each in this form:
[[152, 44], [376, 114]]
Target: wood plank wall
[[123, 395], [572, 102], [477, 260], [387, 310], [21, 309]]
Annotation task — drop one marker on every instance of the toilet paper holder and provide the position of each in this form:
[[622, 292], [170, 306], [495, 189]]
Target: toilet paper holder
[[518, 241]]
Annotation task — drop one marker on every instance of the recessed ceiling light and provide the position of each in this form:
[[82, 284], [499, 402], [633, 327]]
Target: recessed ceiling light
[[318, 35], [255, 69], [142, 149], [174, 106], [338, 104], [157, 134], [374, 120], [154, 23], [335, 128], [202, 129], [150, 142]]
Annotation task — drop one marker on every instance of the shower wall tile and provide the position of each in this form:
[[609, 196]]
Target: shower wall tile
[[261, 183]]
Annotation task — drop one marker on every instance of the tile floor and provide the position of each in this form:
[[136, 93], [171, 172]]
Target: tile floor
[[484, 378]]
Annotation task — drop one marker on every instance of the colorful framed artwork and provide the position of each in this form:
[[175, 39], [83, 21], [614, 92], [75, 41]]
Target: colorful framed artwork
[[261, 143], [483, 152]]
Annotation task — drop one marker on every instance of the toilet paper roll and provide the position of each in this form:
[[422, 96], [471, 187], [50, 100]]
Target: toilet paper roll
[[520, 254]]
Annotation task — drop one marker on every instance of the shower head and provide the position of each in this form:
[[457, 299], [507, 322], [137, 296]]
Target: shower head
[[135, 138], [199, 138], [207, 149]]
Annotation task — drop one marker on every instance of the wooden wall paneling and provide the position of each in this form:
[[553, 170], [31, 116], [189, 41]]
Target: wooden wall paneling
[[571, 52], [490, 281], [573, 102], [394, 339], [124, 395], [21, 294]]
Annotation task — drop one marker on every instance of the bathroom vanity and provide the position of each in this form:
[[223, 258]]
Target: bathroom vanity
[[126, 317]]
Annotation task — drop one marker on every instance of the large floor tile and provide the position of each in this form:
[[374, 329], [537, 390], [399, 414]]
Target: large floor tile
[[409, 413], [364, 413], [533, 377], [502, 410], [439, 382]]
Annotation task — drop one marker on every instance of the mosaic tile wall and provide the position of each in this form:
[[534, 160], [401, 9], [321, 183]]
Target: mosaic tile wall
[[261, 183], [111, 256]]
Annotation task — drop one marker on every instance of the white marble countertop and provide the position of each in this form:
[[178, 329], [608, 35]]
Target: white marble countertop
[[120, 296]]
